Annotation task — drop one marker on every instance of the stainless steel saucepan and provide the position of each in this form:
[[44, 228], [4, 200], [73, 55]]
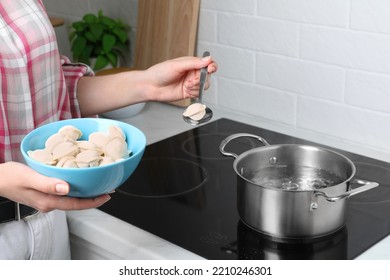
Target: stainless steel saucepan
[[293, 191]]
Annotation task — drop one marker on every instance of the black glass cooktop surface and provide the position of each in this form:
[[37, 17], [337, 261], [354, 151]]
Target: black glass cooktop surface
[[184, 190]]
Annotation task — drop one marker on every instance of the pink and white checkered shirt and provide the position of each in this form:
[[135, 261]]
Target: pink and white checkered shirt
[[37, 85]]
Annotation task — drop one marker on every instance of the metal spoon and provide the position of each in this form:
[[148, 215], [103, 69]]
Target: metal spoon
[[208, 113]]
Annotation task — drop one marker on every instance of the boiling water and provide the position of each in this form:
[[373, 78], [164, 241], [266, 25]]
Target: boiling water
[[294, 178]]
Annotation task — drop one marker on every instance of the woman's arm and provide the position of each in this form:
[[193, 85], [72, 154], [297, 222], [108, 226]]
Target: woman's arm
[[167, 81]]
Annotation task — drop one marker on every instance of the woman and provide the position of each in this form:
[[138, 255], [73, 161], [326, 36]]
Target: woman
[[38, 86]]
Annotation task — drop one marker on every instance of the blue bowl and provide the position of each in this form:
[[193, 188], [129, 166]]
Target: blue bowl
[[92, 181]]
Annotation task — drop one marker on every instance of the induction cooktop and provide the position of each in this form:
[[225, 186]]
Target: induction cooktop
[[184, 190]]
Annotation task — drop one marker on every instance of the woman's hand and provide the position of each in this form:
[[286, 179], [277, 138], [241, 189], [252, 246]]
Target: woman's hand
[[22, 184], [170, 80], [179, 78]]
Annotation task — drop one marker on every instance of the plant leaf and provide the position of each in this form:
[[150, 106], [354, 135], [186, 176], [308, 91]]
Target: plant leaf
[[96, 50], [97, 30], [85, 55], [101, 62], [90, 18], [78, 46], [113, 58], [72, 35], [79, 26], [90, 36], [109, 42], [110, 23], [122, 35]]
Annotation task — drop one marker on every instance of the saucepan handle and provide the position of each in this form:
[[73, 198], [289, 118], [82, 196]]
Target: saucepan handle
[[235, 136], [366, 185]]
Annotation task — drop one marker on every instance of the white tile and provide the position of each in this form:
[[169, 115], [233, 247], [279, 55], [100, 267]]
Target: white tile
[[75, 8], [62, 34], [207, 26], [369, 91], [357, 50], [257, 101], [117, 9], [298, 76], [128, 11], [345, 122], [370, 15], [234, 63], [330, 12], [258, 34], [234, 6]]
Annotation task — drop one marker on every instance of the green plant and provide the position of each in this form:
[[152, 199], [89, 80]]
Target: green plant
[[101, 37]]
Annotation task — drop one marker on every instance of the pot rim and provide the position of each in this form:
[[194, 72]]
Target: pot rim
[[246, 153]]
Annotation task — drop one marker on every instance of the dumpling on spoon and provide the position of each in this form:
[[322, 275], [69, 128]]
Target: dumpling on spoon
[[195, 111]]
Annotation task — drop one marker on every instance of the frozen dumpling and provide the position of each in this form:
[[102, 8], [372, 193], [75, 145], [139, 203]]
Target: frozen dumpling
[[116, 131], [99, 139], [116, 148], [65, 149], [42, 155], [53, 141], [195, 111], [70, 132]]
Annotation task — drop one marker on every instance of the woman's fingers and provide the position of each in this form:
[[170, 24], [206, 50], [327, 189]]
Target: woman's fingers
[[46, 203]]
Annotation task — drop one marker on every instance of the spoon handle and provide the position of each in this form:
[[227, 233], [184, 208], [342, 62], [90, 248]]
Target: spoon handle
[[203, 74]]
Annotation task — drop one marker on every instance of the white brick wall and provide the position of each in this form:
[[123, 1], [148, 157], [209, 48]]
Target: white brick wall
[[317, 65]]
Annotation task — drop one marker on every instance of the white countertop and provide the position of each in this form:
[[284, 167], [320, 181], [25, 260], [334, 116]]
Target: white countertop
[[97, 235]]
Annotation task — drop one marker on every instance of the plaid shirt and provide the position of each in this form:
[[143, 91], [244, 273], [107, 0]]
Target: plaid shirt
[[37, 86]]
